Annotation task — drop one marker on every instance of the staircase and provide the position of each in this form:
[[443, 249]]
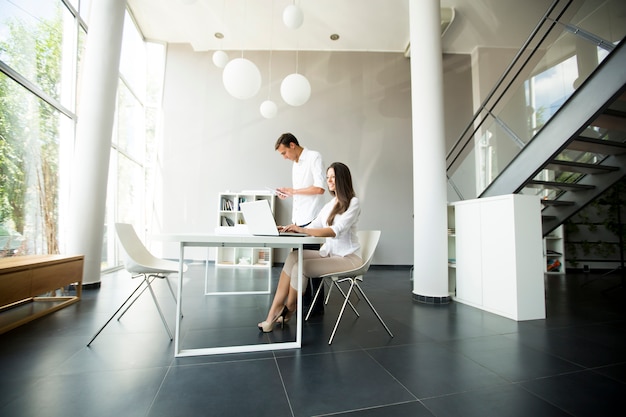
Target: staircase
[[579, 153]]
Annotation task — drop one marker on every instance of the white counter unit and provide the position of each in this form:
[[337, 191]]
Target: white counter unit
[[499, 256]]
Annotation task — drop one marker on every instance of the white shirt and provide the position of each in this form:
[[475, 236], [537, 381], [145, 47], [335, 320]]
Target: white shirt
[[308, 171], [346, 240]]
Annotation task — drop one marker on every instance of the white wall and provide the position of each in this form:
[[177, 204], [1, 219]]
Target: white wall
[[359, 113]]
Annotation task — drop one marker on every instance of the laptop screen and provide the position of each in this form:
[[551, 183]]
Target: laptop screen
[[259, 218]]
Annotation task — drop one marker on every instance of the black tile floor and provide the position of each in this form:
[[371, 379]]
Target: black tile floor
[[451, 360]]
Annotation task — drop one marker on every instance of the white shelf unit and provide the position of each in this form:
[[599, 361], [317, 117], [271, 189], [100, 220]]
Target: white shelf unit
[[498, 256], [554, 252], [451, 252], [230, 216]]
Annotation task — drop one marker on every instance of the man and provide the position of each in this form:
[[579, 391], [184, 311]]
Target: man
[[308, 178]]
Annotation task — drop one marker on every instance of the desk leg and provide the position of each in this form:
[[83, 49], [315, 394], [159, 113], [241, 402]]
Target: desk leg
[[206, 271], [299, 327], [179, 299]]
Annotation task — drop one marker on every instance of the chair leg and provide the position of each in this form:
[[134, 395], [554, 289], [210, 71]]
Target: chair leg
[[373, 309], [114, 314], [169, 284], [153, 277], [330, 288], [317, 293], [159, 308], [343, 307], [345, 295], [138, 295]]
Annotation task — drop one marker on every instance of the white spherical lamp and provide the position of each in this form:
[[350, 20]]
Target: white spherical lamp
[[220, 59], [241, 78], [295, 89], [268, 109], [293, 17]]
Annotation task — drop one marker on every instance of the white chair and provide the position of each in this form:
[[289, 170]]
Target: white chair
[[368, 240], [141, 263]]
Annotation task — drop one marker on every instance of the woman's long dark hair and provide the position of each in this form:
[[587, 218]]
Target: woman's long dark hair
[[343, 190]]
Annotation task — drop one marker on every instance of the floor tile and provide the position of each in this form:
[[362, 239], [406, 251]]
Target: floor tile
[[410, 409], [510, 360], [95, 394], [250, 388], [431, 369], [331, 383], [502, 401], [581, 393], [616, 372]]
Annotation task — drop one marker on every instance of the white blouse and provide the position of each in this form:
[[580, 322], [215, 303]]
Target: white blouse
[[345, 241]]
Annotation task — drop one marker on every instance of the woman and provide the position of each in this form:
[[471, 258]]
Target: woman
[[337, 223]]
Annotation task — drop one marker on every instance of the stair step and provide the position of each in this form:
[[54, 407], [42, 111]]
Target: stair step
[[563, 186], [579, 167], [604, 147], [610, 120], [557, 202]]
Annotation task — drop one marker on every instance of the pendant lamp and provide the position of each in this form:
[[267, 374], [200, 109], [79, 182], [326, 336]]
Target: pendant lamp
[[268, 109], [220, 58], [293, 17], [241, 78], [295, 89]]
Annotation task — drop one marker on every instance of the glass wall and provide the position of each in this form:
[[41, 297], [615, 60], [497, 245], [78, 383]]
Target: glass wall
[[40, 62], [38, 52], [576, 43]]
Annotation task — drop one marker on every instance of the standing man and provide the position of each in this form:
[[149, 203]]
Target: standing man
[[308, 178]]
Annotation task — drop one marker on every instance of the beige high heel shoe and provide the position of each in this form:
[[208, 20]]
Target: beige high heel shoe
[[285, 319], [268, 326]]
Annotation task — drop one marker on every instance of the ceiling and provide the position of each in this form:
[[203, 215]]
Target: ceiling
[[362, 25]]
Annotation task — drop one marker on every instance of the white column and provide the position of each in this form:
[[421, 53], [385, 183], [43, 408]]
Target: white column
[[93, 134], [430, 277]]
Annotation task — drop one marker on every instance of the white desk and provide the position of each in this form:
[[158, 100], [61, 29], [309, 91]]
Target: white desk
[[212, 240]]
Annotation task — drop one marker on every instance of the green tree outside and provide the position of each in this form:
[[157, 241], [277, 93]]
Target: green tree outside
[[29, 136]]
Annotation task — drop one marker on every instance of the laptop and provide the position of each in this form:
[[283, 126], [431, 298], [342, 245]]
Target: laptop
[[260, 220]]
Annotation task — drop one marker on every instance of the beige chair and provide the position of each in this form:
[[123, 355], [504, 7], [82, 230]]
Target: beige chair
[[368, 240], [141, 264]]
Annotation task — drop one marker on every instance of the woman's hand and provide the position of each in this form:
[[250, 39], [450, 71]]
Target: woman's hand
[[292, 228]]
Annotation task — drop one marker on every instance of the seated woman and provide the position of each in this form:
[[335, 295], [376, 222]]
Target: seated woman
[[337, 223]]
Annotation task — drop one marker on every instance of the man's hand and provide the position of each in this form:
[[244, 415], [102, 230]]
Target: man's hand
[[284, 192]]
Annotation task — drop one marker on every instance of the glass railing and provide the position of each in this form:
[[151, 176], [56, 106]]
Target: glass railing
[[566, 46]]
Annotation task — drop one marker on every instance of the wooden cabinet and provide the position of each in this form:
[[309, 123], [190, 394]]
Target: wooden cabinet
[[499, 260], [25, 284], [230, 220]]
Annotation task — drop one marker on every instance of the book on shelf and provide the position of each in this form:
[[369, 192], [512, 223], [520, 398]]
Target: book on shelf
[[263, 257], [227, 204], [554, 266], [225, 221], [241, 200]]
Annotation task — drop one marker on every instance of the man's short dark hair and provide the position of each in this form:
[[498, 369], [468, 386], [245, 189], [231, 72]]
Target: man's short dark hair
[[286, 139]]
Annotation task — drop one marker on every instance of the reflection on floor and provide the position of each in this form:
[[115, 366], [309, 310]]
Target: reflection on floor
[[450, 360]]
